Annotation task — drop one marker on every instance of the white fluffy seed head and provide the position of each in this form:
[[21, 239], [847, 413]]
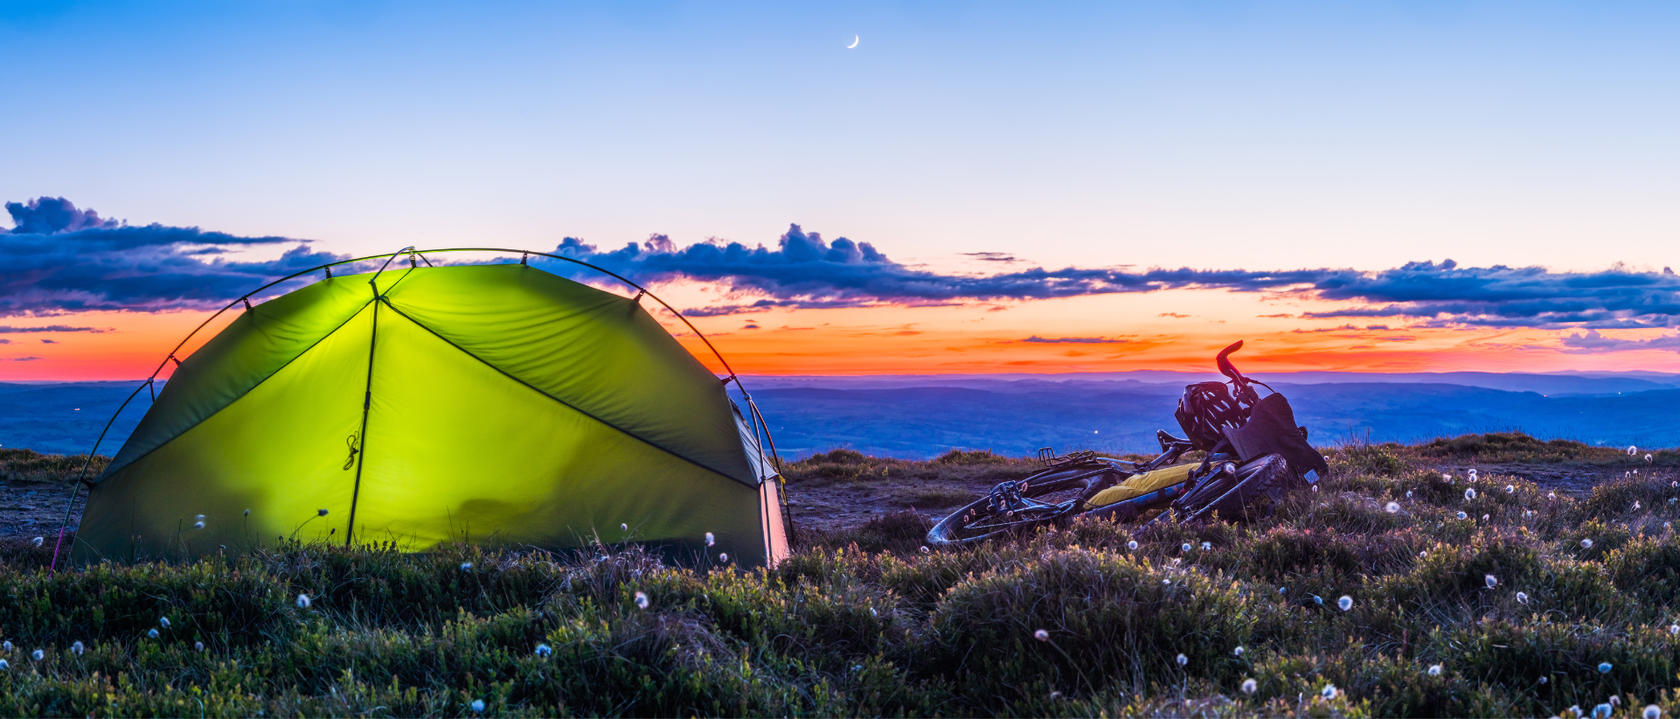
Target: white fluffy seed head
[[641, 600], [1491, 580], [1586, 544], [1522, 597], [1042, 635], [1434, 670], [303, 601], [1238, 651], [1510, 489], [1462, 515], [4, 665], [164, 621], [1392, 507], [1408, 494], [198, 524], [1185, 548], [1249, 686], [1345, 603], [724, 558], [1132, 545], [544, 650], [1182, 660], [1604, 668], [1632, 450], [153, 633], [1470, 493], [925, 550], [710, 540], [1652, 711], [477, 705], [1329, 691], [37, 541], [1206, 546], [77, 648], [38, 655]]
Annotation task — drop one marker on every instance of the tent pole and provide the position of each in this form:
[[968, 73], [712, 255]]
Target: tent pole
[[367, 403]]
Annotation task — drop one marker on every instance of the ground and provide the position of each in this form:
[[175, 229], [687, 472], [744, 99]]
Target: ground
[[1393, 590]]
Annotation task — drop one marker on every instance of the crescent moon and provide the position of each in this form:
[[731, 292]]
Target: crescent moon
[[855, 40]]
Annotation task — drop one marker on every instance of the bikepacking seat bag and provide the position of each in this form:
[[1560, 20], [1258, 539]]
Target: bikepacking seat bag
[[1139, 485], [1271, 429]]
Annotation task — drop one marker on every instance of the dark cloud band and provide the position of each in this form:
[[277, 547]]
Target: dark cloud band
[[63, 259]]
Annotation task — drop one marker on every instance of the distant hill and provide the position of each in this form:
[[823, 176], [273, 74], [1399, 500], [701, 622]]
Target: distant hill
[[910, 416]]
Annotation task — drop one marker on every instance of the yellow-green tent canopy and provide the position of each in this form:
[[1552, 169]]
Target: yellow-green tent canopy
[[496, 404]]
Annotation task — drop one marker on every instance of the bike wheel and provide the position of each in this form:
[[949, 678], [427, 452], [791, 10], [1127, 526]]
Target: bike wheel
[[1015, 506], [1253, 480]]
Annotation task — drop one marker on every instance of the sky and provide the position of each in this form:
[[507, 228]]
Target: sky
[[1301, 161]]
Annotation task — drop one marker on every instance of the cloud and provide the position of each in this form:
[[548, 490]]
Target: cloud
[[1174, 315], [9, 329], [62, 259], [1594, 343], [25, 359], [1075, 340], [49, 342]]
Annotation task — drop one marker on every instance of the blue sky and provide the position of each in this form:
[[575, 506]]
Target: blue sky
[[1211, 134]]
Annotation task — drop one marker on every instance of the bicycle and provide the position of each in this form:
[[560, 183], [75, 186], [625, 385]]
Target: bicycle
[[1252, 450]]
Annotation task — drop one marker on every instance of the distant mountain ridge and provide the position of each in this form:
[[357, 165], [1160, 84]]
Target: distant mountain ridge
[[919, 416]]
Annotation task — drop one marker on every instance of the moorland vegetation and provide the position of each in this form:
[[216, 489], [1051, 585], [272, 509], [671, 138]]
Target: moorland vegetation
[[1394, 589]]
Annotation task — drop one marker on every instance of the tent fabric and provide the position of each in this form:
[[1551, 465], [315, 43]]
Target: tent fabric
[[495, 404]]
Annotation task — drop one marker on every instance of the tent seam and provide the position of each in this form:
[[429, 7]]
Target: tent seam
[[557, 400], [114, 469]]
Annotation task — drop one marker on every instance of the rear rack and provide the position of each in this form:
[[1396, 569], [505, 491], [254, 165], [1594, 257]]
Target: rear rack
[[1047, 457]]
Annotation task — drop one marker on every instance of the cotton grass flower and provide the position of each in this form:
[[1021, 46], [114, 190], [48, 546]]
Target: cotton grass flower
[[1206, 546], [1635, 505], [164, 621], [477, 705], [78, 649], [320, 512], [1185, 548], [1408, 494], [1491, 580], [1522, 597], [5, 665], [1434, 670], [1238, 651], [710, 540], [1249, 686], [641, 600], [198, 646], [1329, 691], [199, 524], [1604, 668], [724, 557], [1132, 545], [1346, 602], [1632, 450], [1510, 489], [38, 655], [1586, 544], [543, 650], [925, 549], [623, 526], [6, 646], [1603, 711], [1182, 660], [1392, 507], [1652, 711], [1318, 599], [1462, 515], [466, 566], [1470, 493], [1042, 635], [153, 633], [1446, 477], [303, 601], [37, 541], [1674, 629]]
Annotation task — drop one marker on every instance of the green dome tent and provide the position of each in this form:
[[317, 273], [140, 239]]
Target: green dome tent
[[496, 404]]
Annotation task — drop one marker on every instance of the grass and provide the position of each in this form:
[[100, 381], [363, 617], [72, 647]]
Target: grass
[[864, 622]]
